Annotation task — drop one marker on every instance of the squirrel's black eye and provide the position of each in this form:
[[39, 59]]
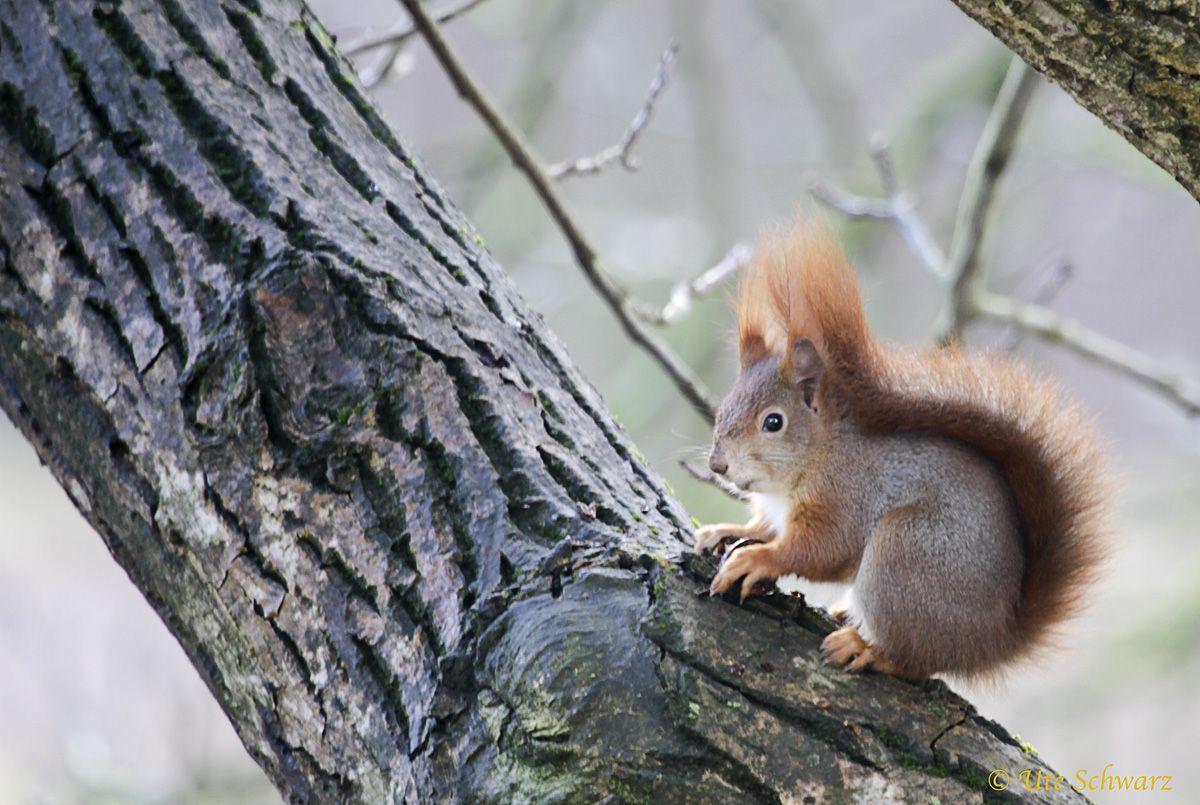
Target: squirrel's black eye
[[773, 423]]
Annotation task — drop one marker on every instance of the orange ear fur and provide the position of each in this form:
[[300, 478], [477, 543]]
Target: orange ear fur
[[800, 286]]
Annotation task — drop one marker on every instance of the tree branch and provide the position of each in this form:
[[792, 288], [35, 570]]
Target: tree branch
[[1098, 348], [897, 206], [391, 44], [621, 151], [1051, 282], [1130, 64], [403, 29], [523, 156], [987, 164], [682, 295], [381, 65]]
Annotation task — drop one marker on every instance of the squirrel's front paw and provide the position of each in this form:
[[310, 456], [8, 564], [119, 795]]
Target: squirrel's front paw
[[710, 537], [752, 564]]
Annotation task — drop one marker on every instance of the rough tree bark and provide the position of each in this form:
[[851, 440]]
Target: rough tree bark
[[398, 535], [1135, 64]]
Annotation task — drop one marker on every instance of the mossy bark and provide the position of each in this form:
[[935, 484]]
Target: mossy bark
[[1135, 65], [399, 536]]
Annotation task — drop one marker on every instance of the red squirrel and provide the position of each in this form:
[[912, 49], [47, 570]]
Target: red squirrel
[[964, 499]]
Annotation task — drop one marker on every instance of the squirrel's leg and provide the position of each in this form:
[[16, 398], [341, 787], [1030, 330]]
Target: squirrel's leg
[[708, 538], [847, 649]]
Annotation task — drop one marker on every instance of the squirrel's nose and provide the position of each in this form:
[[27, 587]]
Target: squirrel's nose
[[718, 465]]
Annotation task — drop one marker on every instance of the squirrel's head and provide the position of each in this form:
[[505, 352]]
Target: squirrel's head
[[797, 296], [767, 426]]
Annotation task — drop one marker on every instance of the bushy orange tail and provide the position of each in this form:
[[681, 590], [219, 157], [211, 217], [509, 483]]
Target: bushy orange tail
[[802, 287]]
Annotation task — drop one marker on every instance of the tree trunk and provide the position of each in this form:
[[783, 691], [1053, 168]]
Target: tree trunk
[[396, 532], [1135, 65]]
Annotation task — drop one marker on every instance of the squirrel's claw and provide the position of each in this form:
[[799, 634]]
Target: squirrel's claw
[[847, 649], [752, 564], [708, 538], [840, 612]]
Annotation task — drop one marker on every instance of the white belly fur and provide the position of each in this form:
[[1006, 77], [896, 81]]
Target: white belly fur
[[773, 510]]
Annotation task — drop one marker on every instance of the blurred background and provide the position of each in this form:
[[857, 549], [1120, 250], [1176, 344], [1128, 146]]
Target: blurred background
[[98, 703]]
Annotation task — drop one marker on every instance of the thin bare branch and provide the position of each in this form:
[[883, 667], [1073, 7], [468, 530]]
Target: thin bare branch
[[897, 206], [848, 203], [402, 29], [684, 293], [622, 151], [904, 211], [987, 164], [1121, 358], [702, 474], [1050, 283], [881, 155], [526, 160], [381, 65]]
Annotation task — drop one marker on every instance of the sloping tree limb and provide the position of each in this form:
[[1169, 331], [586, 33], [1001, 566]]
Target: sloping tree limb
[[1136, 66], [396, 532]]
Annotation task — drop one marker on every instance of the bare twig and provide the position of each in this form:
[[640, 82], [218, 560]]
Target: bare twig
[[402, 29], [979, 190], [904, 211], [391, 44], [1050, 283], [622, 151], [848, 203], [685, 292], [381, 65], [524, 157], [897, 206], [1098, 348], [702, 474]]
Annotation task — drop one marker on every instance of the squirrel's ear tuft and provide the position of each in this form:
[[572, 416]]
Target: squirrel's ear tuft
[[752, 348], [803, 368]]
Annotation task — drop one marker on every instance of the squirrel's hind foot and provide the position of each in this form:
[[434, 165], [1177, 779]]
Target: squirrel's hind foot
[[847, 649]]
